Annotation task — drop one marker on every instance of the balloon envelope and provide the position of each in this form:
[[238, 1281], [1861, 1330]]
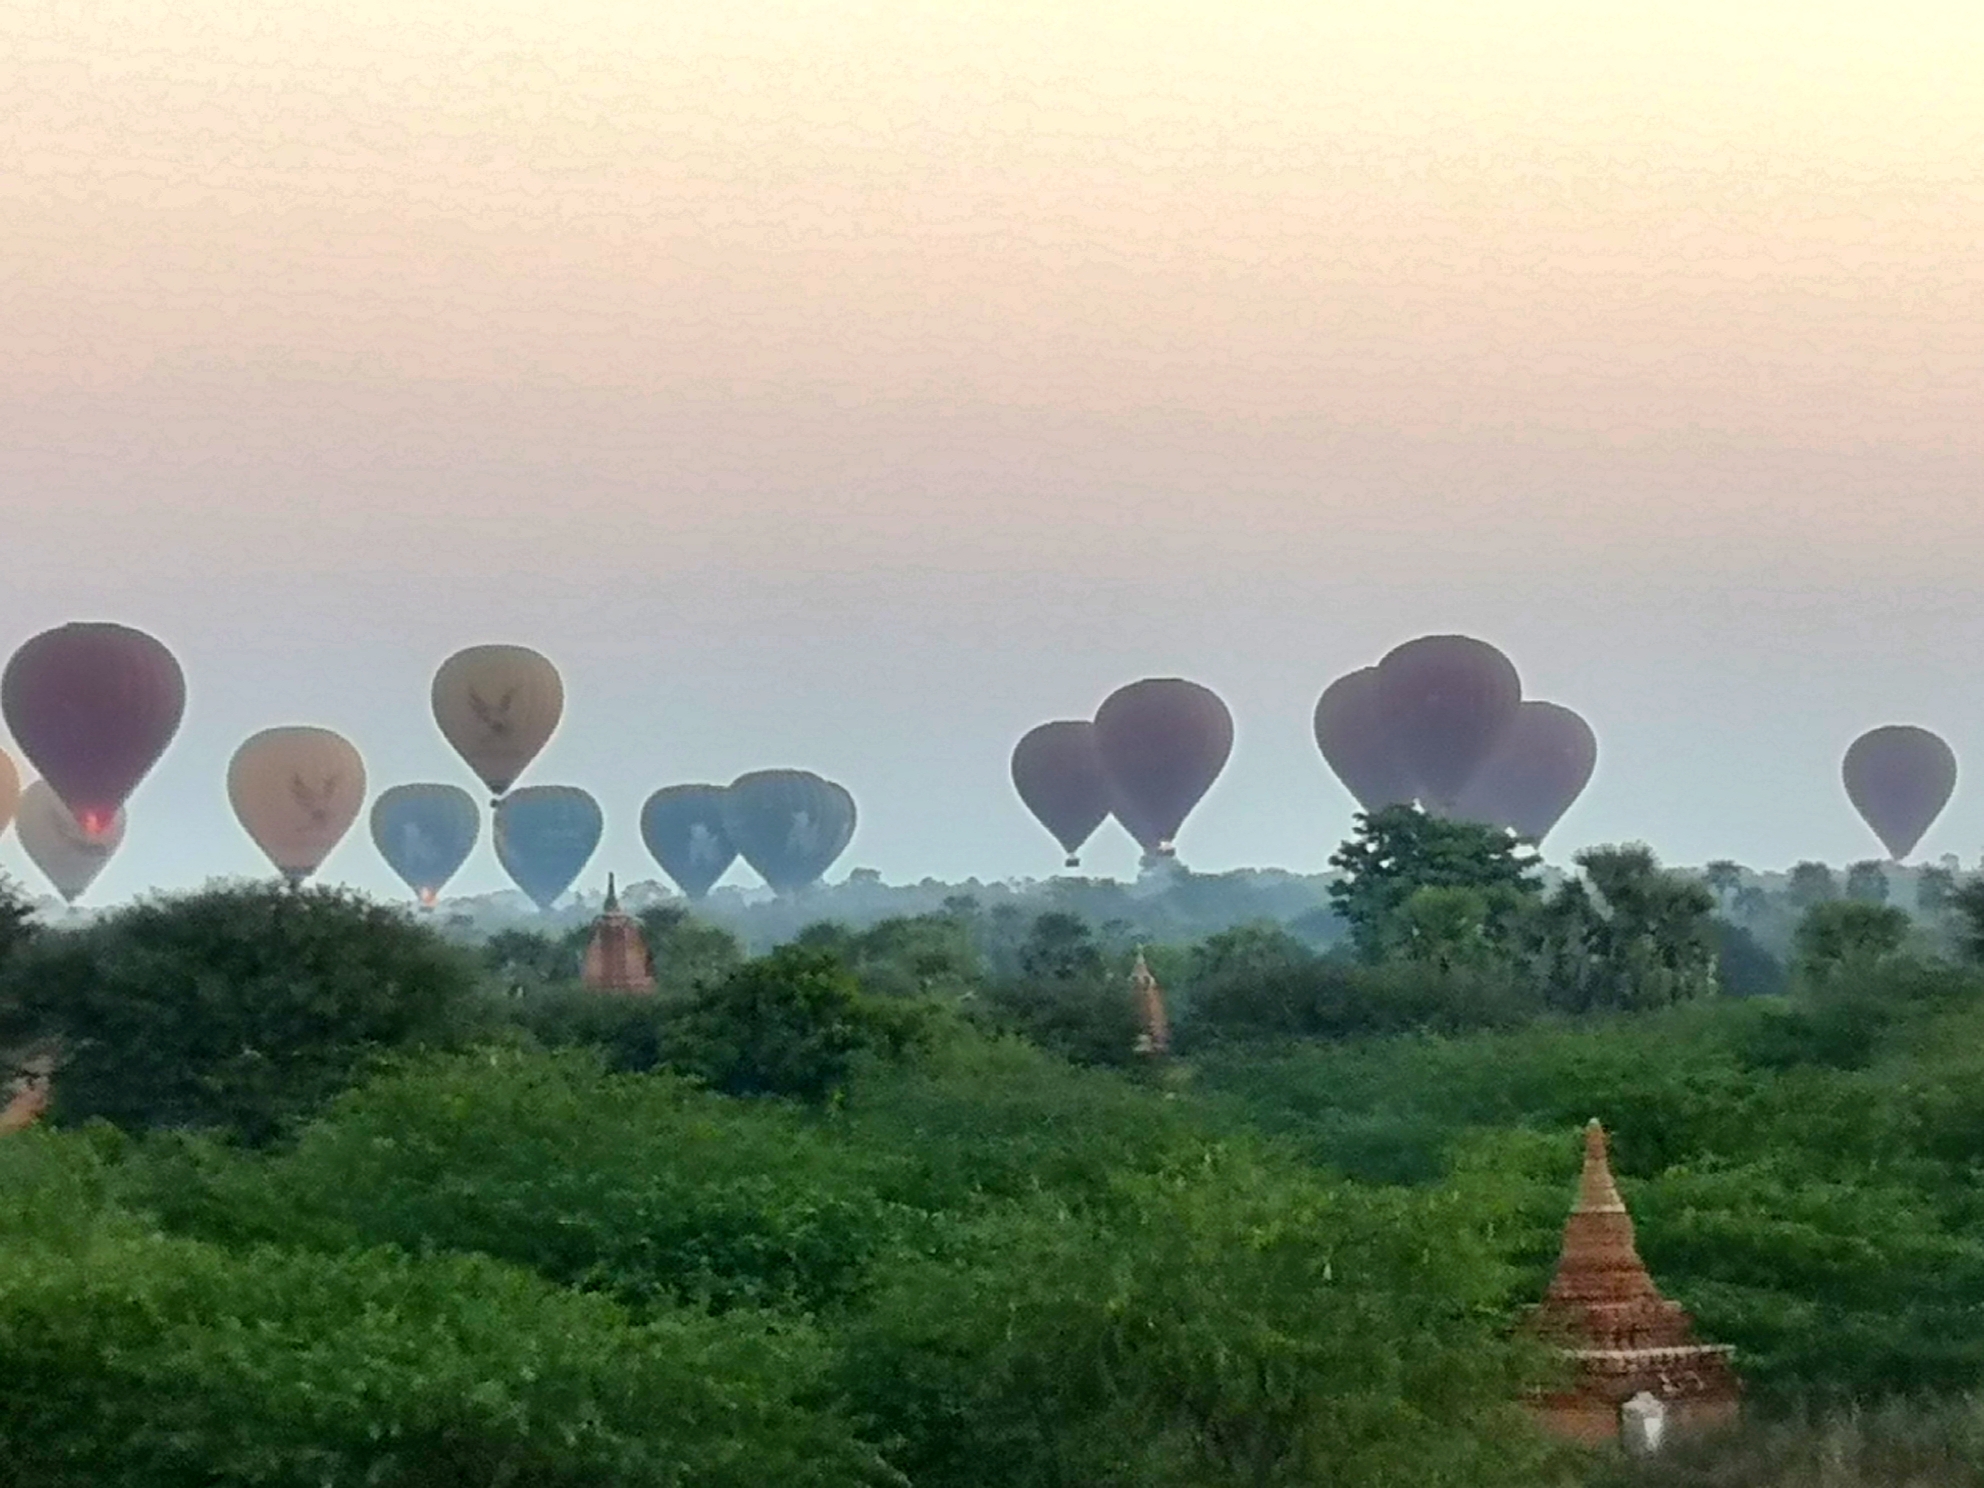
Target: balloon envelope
[[425, 833], [498, 706], [93, 706], [10, 792], [1899, 778], [1057, 770], [790, 825], [1447, 700], [297, 790], [1163, 742], [55, 841], [1536, 773], [545, 835], [1352, 734], [683, 828]]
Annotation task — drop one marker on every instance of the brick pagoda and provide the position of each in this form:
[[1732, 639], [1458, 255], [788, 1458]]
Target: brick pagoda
[[1622, 1337], [1153, 1025], [617, 956]]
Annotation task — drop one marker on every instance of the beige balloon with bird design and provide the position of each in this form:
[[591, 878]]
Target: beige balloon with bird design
[[297, 791], [10, 792], [56, 843], [498, 706]]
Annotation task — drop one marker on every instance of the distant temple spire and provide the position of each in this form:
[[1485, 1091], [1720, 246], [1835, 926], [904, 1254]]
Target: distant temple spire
[[1622, 1337], [617, 957], [1153, 1026]]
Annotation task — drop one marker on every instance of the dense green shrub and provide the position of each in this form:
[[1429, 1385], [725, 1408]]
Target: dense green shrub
[[136, 1360], [638, 1186], [240, 1008]]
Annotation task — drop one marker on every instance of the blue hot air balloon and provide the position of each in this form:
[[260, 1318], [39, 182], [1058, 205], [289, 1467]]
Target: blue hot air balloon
[[789, 825], [545, 835], [683, 828], [425, 833]]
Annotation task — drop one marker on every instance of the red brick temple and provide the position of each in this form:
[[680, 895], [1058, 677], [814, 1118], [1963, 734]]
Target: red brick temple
[[617, 957], [1153, 1025], [1623, 1338]]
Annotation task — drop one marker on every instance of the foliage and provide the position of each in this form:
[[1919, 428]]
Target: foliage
[[641, 1187], [1222, 1324], [688, 952], [1968, 903], [149, 1361], [1638, 937], [1848, 935], [1396, 852], [793, 1023], [1931, 1443], [1801, 1175], [17, 925], [240, 1007], [1743, 968], [1811, 883], [1867, 882], [925, 956]]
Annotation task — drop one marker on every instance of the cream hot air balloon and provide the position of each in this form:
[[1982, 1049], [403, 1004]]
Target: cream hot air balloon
[[498, 706], [56, 843], [297, 791], [10, 792]]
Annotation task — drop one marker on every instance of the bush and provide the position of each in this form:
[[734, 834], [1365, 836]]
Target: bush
[[135, 1360], [639, 1186], [237, 1008], [1334, 999], [1228, 1325], [794, 1023]]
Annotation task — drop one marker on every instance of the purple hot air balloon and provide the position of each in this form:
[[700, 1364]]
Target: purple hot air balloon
[[1163, 742], [93, 705], [1350, 731], [1447, 699], [1539, 769], [1057, 769], [1899, 779]]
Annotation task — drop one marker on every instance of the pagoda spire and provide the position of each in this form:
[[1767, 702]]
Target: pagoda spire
[[617, 958], [1622, 1337], [1153, 1024]]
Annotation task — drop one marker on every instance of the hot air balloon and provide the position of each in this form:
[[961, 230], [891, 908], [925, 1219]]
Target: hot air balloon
[[1539, 769], [1057, 769], [498, 706], [55, 841], [10, 792], [425, 833], [1163, 741], [1351, 732], [93, 706], [1899, 779], [297, 791], [790, 825], [1447, 700], [545, 835], [683, 828]]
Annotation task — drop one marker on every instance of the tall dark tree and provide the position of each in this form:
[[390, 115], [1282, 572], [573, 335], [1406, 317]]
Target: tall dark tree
[[242, 1008], [1811, 883], [1397, 852], [1866, 883]]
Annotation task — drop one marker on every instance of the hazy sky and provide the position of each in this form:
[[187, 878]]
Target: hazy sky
[[854, 385]]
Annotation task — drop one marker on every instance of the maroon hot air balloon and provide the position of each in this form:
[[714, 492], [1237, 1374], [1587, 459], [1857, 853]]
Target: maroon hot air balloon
[[1447, 699], [1163, 742], [1057, 769], [1351, 732], [1539, 769], [93, 705], [1899, 779]]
